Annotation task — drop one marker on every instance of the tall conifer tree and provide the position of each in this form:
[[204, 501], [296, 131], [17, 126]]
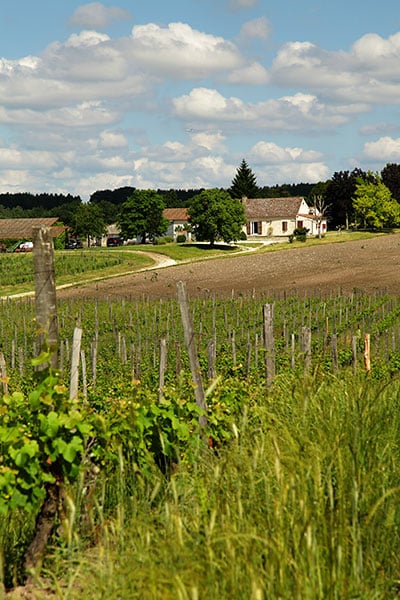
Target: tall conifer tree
[[244, 183]]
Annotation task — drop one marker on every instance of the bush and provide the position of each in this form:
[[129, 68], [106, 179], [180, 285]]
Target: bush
[[181, 238], [301, 234], [162, 240]]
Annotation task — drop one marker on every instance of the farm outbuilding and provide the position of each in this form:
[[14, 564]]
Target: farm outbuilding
[[21, 229]]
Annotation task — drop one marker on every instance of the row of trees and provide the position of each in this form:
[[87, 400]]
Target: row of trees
[[355, 198], [214, 215]]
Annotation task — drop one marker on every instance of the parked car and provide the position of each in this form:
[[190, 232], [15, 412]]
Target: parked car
[[24, 247], [73, 244], [114, 240]]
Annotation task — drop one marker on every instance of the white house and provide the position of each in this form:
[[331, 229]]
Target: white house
[[178, 222], [277, 217]]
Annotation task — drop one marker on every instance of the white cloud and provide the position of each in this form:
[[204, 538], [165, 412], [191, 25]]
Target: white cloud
[[368, 71], [255, 29], [97, 16], [242, 4], [182, 52], [86, 38], [271, 153], [385, 149], [113, 139], [277, 164], [379, 128], [295, 113]]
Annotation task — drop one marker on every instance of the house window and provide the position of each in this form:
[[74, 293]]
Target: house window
[[284, 226], [300, 224], [255, 228]]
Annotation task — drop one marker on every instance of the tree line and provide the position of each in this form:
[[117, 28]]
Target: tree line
[[349, 199]]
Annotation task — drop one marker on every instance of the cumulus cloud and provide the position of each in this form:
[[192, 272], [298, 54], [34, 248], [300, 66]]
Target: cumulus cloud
[[278, 164], [97, 16], [113, 139], [369, 70], [385, 149], [182, 52], [294, 113], [255, 29], [271, 153]]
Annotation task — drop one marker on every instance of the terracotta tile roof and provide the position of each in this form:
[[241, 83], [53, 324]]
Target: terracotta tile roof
[[272, 208], [22, 228], [176, 214]]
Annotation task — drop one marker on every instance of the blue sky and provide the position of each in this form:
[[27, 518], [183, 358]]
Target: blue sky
[[174, 94]]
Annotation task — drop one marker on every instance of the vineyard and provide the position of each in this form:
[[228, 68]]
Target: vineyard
[[288, 489], [16, 270]]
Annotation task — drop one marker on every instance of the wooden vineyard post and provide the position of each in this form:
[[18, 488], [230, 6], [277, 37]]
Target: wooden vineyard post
[[335, 363], [367, 352], [306, 347], [45, 291], [269, 343], [192, 351], [354, 353], [211, 360], [3, 373], [162, 367], [47, 328], [76, 353]]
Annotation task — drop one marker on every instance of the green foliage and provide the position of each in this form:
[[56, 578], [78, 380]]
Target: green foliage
[[43, 436], [300, 234], [214, 216], [374, 206], [88, 221], [142, 215], [181, 238], [390, 175], [244, 183]]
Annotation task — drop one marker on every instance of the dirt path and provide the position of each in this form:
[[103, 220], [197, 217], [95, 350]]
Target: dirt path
[[368, 265]]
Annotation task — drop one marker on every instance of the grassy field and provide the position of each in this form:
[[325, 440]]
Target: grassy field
[[298, 495], [77, 266], [303, 502]]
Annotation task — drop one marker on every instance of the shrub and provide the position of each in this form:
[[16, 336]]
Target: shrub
[[181, 238], [301, 234]]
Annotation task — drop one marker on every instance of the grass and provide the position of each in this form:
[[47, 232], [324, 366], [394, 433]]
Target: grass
[[186, 252], [303, 503], [16, 270]]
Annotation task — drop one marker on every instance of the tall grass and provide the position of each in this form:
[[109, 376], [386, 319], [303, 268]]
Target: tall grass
[[303, 503]]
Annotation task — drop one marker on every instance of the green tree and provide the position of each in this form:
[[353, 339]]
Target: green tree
[[88, 221], [214, 215], [142, 215], [244, 183], [373, 204], [391, 178], [339, 195]]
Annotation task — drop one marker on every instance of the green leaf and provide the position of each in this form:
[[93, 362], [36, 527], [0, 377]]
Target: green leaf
[[43, 358]]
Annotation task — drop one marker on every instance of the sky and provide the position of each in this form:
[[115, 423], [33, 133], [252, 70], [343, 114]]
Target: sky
[[168, 94]]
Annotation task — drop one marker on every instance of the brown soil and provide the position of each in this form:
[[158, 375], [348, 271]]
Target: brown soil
[[367, 266]]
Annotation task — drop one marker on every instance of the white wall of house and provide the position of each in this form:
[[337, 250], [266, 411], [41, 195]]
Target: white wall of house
[[282, 227], [177, 228]]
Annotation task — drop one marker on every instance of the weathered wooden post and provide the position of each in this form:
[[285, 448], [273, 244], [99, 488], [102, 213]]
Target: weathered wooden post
[[3, 373], [269, 343], [367, 353], [306, 347], [162, 367], [47, 328], [45, 292], [76, 353], [192, 351]]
